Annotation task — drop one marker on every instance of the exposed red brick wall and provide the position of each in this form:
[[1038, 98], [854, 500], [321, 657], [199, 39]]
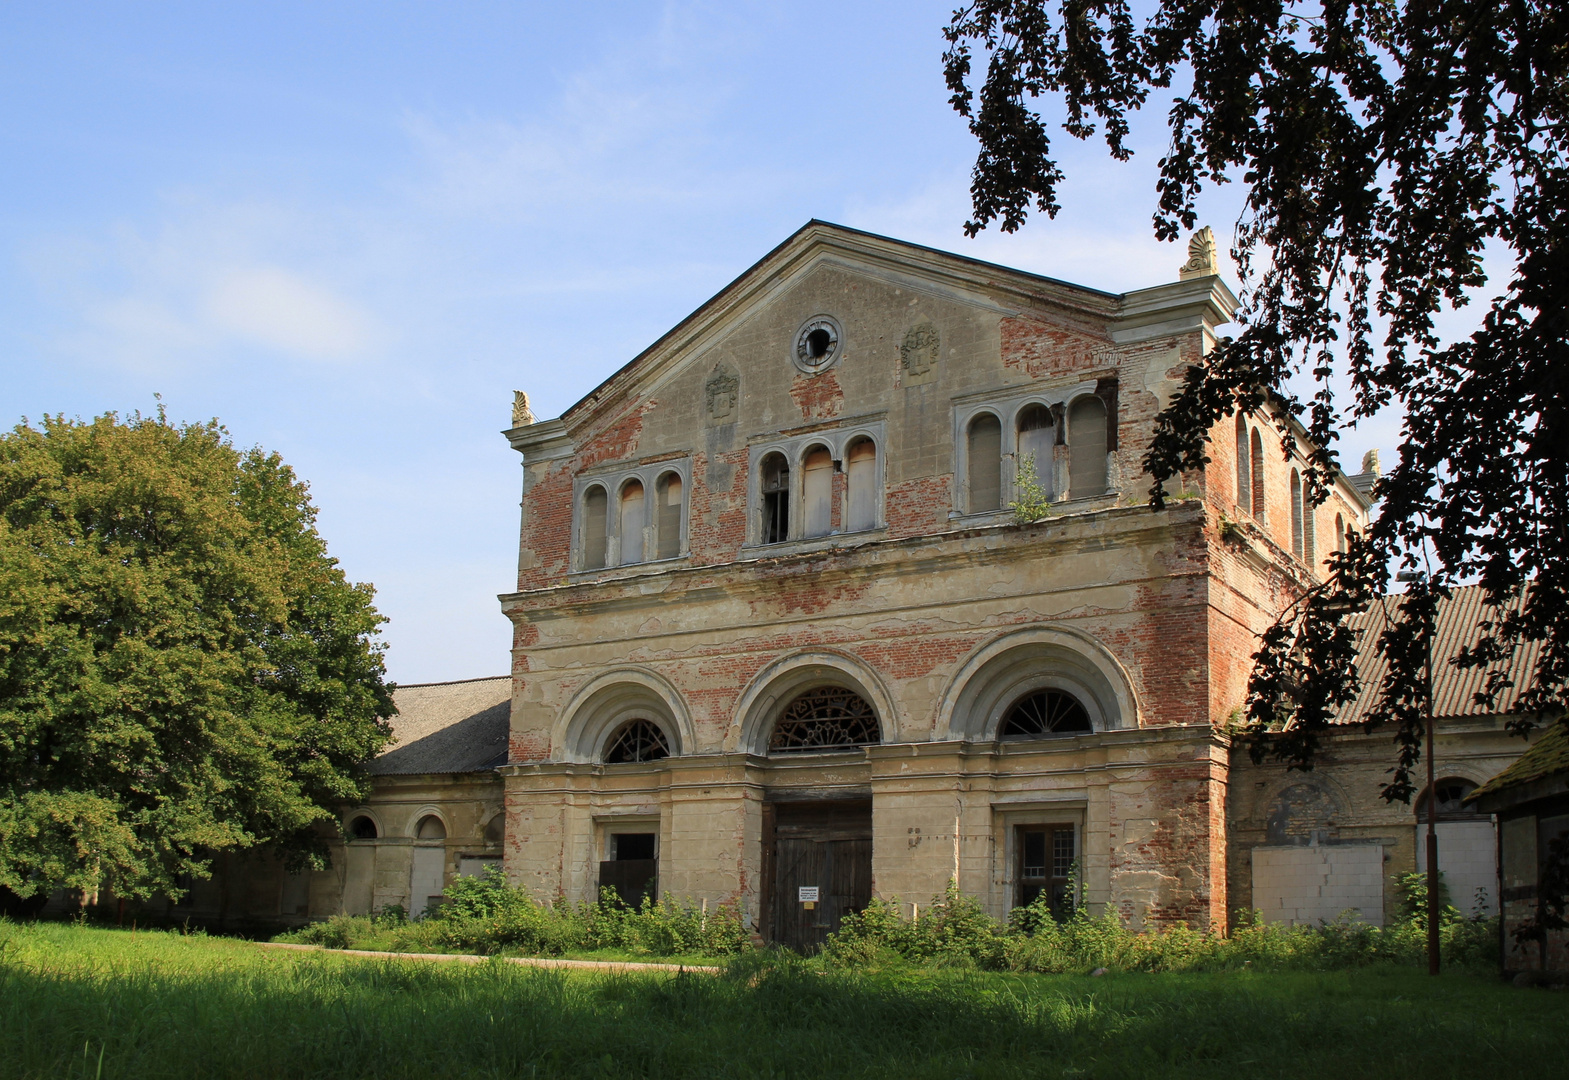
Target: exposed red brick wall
[[818, 396], [919, 507]]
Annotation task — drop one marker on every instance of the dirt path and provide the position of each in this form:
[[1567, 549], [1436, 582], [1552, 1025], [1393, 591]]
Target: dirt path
[[621, 966]]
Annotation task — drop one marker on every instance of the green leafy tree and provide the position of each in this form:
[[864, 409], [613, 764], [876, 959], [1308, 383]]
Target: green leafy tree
[[1382, 145], [184, 670]]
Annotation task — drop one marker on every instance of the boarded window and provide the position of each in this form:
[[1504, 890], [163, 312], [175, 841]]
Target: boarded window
[[1256, 463], [1087, 448], [1296, 514], [632, 521], [827, 718], [1244, 476], [1309, 533], [638, 740], [985, 464], [1037, 436], [669, 516], [1045, 712], [817, 489], [861, 487], [595, 505], [775, 483]]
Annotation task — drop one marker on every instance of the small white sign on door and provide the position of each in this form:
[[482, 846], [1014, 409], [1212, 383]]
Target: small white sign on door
[[807, 894]]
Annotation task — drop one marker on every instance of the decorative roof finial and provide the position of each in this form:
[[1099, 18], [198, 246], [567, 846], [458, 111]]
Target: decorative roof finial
[[1201, 256], [522, 415]]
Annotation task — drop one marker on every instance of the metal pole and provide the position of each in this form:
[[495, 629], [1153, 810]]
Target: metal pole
[[1432, 815]]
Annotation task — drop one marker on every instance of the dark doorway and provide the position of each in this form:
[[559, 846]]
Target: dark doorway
[[632, 871], [821, 846]]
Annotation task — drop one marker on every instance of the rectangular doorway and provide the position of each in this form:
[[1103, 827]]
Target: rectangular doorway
[[632, 871], [821, 868], [1046, 854]]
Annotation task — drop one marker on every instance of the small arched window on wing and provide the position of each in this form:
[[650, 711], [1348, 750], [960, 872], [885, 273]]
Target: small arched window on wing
[[1296, 515], [1244, 475], [984, 454], [596, 506], [496, 830], [774, 486], [363, 828], [430, 828], [817, 491], [861, 486], [1086, 447], [1340, 533], [1037, 440], [1256, 463], [637, 740], [669, 523], [1044, 712]]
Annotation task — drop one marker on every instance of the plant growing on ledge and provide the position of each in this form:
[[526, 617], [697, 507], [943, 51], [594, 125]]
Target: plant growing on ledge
[[1032, 503]]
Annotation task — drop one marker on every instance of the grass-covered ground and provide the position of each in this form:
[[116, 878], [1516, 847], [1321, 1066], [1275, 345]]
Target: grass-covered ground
[[87, 1002]]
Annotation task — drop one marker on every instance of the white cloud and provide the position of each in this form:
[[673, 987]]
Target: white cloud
[[276, 308]]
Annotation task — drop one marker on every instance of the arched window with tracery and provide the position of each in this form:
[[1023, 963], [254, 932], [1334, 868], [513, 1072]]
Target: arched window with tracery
[[1044, 712], [637, 740], [984, 454], [825, 718]]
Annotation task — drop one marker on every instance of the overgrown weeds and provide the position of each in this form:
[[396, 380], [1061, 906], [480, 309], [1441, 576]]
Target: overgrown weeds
[[486, 915], [955, 931]]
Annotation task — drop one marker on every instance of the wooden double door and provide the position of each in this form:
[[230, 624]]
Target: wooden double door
[[819, 866]]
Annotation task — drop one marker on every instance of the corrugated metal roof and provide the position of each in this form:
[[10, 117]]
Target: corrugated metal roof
[[1454, 689], [448, 728]]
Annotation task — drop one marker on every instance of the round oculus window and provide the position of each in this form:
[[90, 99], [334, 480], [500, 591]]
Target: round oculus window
[[817, 344]]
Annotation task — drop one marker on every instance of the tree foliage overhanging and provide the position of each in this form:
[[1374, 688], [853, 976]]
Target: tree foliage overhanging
[[184, 671], [1382, 146]]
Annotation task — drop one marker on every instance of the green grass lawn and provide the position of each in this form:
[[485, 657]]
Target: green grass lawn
[[88, 1002]]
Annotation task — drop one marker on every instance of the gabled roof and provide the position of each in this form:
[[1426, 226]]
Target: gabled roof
[[1540, 772], [1454, 689], [1204, 297], [451, 727]]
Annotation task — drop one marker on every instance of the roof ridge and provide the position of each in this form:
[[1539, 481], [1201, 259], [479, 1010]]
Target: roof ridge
[[448, 682]]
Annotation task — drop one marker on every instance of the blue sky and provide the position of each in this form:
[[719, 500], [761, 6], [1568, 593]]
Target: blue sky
[[350, 231]]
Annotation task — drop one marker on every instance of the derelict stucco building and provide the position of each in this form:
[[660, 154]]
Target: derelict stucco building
[[778, 633]]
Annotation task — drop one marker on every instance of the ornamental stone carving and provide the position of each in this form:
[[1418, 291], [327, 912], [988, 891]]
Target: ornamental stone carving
[[919, 352], [722, 392], [1201, 256], [522, 415]]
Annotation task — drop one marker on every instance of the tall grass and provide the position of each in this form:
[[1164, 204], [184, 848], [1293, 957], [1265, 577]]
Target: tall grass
[[484, 915], [956, 930], [160, 1005]]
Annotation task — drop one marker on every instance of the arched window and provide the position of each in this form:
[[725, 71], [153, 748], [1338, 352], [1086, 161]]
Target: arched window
[[637, 740], [1086, 447], [1044, 712], [362, 828], [1037, 436], [496, 829], [430, 828], [1309, 533], [985, 464], [1296, 514], [1256, 462], [861, 486], [817, 489], [633, 518], [1244, 476], [775, 485], [1451, 801], [595, 507], [826, 718], [1340, 533], [669, 520]]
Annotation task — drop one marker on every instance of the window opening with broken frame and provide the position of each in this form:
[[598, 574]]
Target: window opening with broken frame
[[827, 718], [776, 499], [637, 740], [1045, 712], [1046, 854]]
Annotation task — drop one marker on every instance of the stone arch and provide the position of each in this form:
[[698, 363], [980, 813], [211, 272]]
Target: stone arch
[[354, 816], [780, 682], [429, 810], [1019, 662], [607, 701], [1298, 809]]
